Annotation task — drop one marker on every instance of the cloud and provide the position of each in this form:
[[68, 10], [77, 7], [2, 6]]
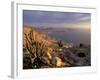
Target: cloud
[[54, 18]]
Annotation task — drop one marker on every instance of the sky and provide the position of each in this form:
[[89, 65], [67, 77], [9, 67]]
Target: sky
[[56, 19]]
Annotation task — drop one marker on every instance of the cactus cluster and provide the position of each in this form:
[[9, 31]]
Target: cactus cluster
[[35, 48]]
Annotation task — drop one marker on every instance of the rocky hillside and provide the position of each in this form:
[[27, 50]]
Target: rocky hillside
[[41, 51]]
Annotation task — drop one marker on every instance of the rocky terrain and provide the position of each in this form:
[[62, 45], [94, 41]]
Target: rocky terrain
[[41, 51]]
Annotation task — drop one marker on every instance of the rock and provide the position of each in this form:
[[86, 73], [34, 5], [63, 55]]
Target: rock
[[58, 62]]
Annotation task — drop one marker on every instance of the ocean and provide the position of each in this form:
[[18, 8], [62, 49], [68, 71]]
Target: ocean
[[74, 36]]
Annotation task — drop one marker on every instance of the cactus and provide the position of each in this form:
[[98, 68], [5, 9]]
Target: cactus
[[60, 44], [35, 48]]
